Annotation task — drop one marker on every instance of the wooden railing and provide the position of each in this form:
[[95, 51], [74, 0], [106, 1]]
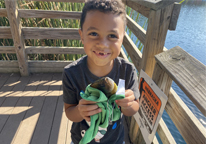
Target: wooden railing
[[189, 74], [162, 15]]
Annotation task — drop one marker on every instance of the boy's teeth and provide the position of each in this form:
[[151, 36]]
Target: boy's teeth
[[102, 53]]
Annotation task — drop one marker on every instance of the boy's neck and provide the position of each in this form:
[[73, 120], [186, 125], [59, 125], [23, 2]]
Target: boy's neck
[[100, 71]]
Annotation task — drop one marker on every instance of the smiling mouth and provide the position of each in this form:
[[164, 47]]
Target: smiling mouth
[[101, 53]]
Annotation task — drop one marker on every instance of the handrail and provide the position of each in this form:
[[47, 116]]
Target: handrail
[[5, 32], [49, 14], [50, 33], [187, 72], [7, 49], [177, 62], [53, 50]]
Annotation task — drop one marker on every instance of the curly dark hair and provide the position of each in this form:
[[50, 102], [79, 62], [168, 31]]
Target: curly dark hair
[[105, 6]]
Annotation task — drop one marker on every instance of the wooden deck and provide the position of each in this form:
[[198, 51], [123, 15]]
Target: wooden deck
[[31, 110]]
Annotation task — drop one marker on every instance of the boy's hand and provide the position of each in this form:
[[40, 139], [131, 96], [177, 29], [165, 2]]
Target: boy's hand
[[87, 109], [128, 101]]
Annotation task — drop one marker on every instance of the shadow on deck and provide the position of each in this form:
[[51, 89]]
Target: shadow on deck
[[31, 110]]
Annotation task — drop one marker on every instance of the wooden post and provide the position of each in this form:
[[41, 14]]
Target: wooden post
[[175, 15], [162, 79], [158, 23], [15, 25]]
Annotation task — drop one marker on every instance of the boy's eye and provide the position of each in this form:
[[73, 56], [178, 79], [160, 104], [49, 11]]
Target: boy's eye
[[93, 34], [112, 36]]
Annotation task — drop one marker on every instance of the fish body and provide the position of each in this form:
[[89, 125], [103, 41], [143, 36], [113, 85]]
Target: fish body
[[106, 85]]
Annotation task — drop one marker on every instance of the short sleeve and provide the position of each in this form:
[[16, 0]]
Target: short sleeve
[[133, 83], [69, 92]]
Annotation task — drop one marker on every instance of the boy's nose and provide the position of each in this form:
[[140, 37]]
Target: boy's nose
[[103, 43]]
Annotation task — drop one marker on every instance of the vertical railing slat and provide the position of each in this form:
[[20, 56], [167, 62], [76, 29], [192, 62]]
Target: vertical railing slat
[[15, 25]]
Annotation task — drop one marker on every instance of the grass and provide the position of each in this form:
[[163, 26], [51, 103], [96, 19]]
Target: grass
[[55, 23]]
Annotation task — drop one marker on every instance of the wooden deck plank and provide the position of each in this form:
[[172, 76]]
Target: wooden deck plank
[[44, 125], [9, 85], [3, 78], [10, 101], [67, 127], [59, 127], [27, 127], [68, 136], [14, 120]]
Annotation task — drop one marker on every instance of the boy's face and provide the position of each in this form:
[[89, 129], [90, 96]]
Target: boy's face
[[102, 36]]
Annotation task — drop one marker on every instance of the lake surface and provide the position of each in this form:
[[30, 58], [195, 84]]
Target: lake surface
[[190, 35]]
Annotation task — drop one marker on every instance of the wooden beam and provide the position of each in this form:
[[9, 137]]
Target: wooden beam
[[133, 51], [123, 55], [48, 64], [155, 4], [46, 70], [7, 49], [187, 72], [49, 14], [77, 1], [175, 16], [164, 82], [158, 23], [15, 25], [3, 12], [5, 32], [138, 7], [9, 70], [137, 30], [8, 64], [53, 50], [187, 124], [50, 33], [164, 133]]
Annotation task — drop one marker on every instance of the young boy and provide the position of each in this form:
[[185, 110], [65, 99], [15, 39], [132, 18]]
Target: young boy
[[102, 30]]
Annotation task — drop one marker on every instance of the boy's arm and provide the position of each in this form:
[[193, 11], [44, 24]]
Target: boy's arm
[[72, 112]]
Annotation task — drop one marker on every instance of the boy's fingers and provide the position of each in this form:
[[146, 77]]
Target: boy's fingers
[[128, 92], [93, 112], [126, 99], [87, 114], [89, 107], [83, 101]]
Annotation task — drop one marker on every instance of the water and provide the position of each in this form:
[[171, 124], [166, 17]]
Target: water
[[190, 35]]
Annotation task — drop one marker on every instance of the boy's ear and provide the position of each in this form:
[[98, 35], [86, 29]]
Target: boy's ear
[[81, 36]]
